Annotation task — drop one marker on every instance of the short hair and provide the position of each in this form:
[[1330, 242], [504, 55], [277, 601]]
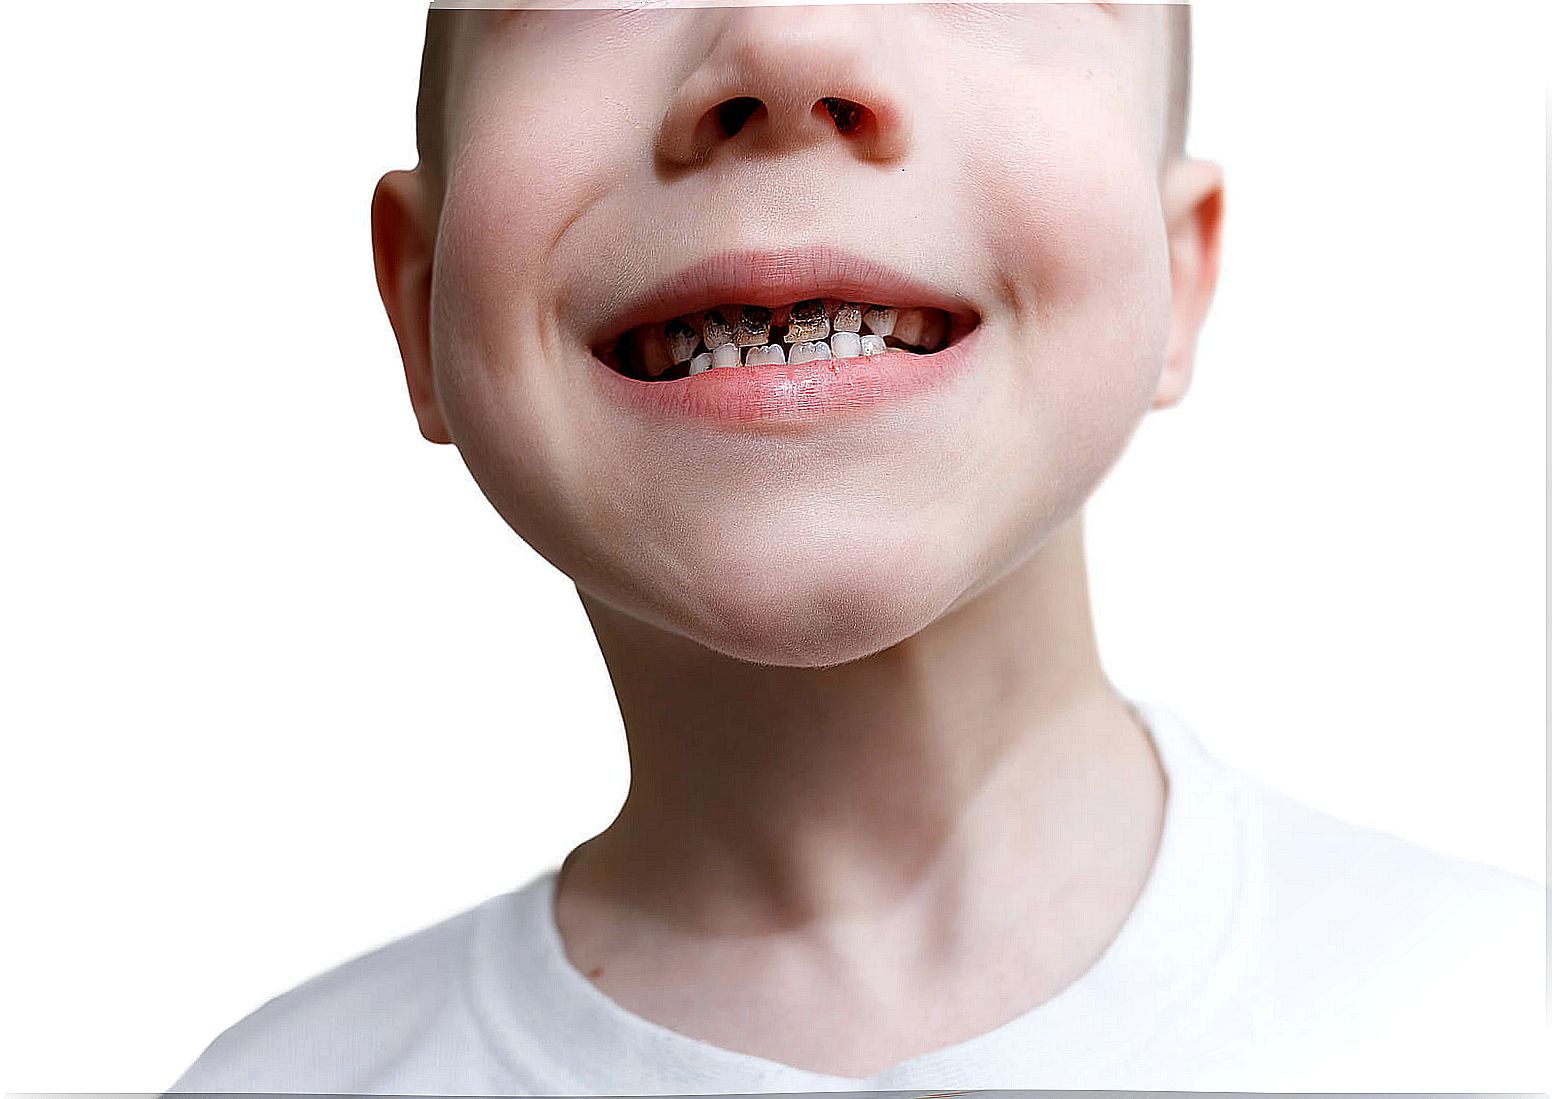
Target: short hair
[[436, 66]]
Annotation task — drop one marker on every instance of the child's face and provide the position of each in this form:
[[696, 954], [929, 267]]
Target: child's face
[[1009, 158]]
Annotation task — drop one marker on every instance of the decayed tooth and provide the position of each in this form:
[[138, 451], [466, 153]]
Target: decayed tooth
[[880, 321], [715, 329], [753, 327], [909, 325], [808, 322], [682, 339], [848, 318], [809, 351], [874, 345], [934, 330], [653, 352], [846, 345], [701, 363], [726, 355], [768, 355]]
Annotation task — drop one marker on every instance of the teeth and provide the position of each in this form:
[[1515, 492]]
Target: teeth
[[756, 335], [715, 330], [810, 351], [808, 322], [848, 318], [846, 345], [909, 326], [769, 355], [753, 327], [681, 340], [880, 321], [934, 329], [654, 353]]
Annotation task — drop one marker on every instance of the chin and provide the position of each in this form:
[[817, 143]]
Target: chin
[[805, 612]]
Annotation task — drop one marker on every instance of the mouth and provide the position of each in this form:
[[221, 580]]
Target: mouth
[[750, 309]]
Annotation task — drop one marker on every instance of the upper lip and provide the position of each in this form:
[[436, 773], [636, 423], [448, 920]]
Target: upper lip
[[772, 278]]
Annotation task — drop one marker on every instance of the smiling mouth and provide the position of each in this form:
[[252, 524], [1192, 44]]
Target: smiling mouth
[[813, 329]]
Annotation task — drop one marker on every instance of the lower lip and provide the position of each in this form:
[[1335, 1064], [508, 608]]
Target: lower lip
[[801, 393]]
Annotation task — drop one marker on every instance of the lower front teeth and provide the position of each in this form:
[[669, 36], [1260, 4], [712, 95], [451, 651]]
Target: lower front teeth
[[810, 351], [842, 345], [770, 355]]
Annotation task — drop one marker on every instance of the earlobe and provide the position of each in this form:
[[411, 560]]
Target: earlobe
[[403, 248], [1193, 212]]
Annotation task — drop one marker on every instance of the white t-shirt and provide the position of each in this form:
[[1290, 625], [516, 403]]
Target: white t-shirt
[[1273, 948]]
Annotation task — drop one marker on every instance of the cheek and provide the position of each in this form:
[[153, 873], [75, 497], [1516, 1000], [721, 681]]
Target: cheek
[[500, 361], [1082, 259]]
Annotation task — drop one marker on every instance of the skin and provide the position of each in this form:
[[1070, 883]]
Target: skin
[[877, 770]]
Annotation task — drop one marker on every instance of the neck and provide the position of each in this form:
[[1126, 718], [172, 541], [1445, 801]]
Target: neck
[[985, 750]]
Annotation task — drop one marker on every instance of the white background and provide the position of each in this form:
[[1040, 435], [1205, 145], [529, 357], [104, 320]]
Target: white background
[[281, 686]]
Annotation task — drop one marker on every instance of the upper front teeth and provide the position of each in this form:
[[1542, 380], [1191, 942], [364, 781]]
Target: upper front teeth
[[682, 339], [715, 330], [753, 327], [808, 322], [881, 322], [848, 318]]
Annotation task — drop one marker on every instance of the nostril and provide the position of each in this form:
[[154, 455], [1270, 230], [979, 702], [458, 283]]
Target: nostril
[[732, 115], [846, 114]]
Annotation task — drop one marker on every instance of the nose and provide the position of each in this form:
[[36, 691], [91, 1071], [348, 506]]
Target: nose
[[790, 80]]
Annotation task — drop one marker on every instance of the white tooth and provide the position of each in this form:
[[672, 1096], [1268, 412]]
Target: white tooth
[[764, 356], [726, 355], [880, 321], [848, 318], [682, 339], [874, 345], [701, 363], [811, 351], [846, 345], [909, 325], [715, 330]]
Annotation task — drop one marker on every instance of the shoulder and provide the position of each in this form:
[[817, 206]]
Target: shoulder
[[1360, 931], [1337, 874], [343, 1030]]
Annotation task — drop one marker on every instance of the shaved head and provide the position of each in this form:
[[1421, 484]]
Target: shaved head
[[1177, 19]]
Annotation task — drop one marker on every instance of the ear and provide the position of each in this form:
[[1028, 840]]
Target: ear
[[403, 245], [1193, 217]]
